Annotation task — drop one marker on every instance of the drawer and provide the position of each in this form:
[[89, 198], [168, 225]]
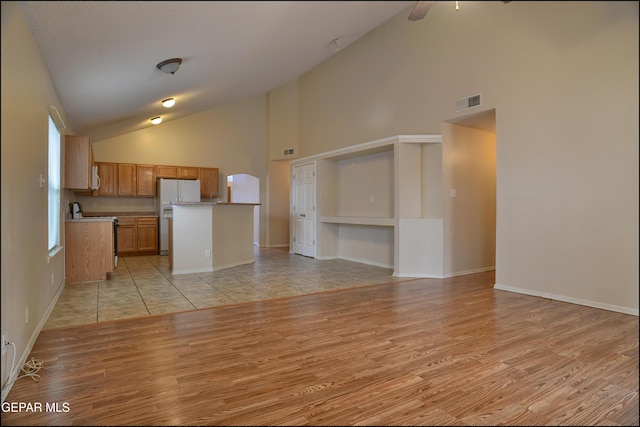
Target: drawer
[[126, 220], [147, 221]]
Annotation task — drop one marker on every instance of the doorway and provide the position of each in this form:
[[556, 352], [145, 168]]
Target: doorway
[[469, 157]]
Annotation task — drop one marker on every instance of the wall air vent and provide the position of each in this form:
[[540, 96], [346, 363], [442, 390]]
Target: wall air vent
[[288, 152], [468, 102]]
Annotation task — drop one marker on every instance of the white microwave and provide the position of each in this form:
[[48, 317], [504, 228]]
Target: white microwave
[[95, 179]]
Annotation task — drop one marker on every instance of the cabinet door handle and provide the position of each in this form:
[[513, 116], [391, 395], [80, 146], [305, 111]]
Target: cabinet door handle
[[303, 215]]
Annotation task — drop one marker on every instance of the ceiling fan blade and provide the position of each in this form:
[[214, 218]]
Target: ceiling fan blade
[[420, 10]]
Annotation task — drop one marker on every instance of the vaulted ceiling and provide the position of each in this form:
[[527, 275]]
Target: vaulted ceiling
[[102, 55]]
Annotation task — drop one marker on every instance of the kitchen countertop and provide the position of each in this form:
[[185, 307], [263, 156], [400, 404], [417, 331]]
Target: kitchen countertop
[[110, 214], [93, 219], [213, 204]]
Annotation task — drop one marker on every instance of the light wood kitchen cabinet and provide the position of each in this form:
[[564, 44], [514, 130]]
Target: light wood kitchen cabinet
[[145, 180], [166, 171], [126, 235], [126, 179], [187, 172], [89, 250], [137, 235], [209, 186], [139, 180], [78, 161], [147, 235], [108, 173]]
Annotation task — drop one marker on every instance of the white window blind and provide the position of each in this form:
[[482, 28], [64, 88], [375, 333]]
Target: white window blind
[[54, 185]]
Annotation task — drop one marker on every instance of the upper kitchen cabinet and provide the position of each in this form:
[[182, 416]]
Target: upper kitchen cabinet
[[145, 180], [186, 172], [127, 179], [166, 172], [209, 187], [108, 173], [78, 163]]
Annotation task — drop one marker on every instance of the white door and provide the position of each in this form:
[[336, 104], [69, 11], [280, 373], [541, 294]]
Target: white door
[[304, 209]]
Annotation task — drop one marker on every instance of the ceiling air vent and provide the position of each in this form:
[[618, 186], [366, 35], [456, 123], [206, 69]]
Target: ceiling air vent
[[466, 103]]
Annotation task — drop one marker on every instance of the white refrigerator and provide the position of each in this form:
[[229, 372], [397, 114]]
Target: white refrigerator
[[173, 190]]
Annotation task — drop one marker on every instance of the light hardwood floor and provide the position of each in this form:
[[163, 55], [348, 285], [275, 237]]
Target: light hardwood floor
[[417, 352]]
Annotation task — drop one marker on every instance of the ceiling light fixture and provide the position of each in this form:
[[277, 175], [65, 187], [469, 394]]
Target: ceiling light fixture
[[156, 120], [169, 102], [169, 66]]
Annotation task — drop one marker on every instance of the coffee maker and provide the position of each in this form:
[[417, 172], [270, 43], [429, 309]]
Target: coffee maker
[[76, 210]]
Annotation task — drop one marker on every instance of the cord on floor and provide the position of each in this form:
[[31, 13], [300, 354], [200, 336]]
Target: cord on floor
[[30, 369]]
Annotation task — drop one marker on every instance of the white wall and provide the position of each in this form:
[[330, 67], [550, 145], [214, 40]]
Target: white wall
[[282, 131], [277, 204], [282, 134], [192, 236], [564, 83], [29, 281]]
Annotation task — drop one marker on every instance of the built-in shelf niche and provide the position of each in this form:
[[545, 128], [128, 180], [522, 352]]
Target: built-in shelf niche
[[357, 187], [380, 203]]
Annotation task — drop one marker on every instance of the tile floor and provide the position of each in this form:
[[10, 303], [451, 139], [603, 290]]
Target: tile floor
[[143, 286]]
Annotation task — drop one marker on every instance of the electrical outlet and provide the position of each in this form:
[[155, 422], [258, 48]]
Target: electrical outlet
[[26, 314], [4, 342], [53, 278], [207, 253]]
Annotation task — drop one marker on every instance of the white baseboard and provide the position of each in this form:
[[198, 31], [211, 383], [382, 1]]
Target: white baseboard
[[366, 261], [233, 264], [418, 276], [476, 270], [594, 304]]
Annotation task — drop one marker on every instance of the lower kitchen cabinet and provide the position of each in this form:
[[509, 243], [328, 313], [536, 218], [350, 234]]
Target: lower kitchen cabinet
[[137, 235], [147, 235], [126, 235]]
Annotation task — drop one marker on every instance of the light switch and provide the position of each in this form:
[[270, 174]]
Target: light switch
[[453, 192]]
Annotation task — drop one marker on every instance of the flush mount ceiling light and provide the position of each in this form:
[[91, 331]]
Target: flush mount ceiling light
[[169, 102], [156, 120], [169, 66]]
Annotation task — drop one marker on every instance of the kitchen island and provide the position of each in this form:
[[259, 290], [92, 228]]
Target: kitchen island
[[210, 236], [90, 249]]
